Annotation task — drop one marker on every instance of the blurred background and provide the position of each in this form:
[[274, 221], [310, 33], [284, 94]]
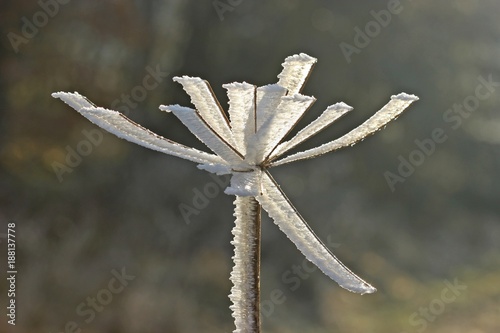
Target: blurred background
[[113, 237]]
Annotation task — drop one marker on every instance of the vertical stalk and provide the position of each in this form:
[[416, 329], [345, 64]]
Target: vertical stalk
[[245, 276]]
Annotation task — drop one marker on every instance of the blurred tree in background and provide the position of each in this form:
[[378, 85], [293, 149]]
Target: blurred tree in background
[[88, 205]]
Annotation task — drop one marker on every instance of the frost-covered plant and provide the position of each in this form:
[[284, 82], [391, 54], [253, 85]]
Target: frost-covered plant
[[246, 145]]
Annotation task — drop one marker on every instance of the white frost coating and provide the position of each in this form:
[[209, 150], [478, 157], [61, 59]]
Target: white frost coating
[[124, 128], [218, 169], [75, 100], [295, 72], [298, 231], [241, 112], [267, 99], [330, 115], [243, 274], [245, 184], [196, 124], [269, 135], [390, 111], [405, 96], [207, 105], [260, 120]]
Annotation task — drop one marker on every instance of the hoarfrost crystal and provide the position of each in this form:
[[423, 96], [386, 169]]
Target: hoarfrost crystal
[[246, 145]]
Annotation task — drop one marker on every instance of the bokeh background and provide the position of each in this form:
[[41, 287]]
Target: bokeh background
[[118, 209]]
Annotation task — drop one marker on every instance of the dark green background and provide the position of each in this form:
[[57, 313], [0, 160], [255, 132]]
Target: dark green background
[[120, 206]]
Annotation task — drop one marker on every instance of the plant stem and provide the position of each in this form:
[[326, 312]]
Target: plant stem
[[245, 293]]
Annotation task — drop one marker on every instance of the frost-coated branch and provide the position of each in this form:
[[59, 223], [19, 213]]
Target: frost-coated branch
[[124, 128], [284, 214], [390, 111], [246, 144], [245, 293]]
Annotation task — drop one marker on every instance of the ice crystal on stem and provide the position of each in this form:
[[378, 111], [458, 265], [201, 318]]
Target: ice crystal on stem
[[246, 145]]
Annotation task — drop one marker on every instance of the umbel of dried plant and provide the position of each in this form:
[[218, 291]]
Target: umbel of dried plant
[[246, 145]]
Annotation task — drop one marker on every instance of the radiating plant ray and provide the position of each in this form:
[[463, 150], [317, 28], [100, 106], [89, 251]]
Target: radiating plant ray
[[246, 144]]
